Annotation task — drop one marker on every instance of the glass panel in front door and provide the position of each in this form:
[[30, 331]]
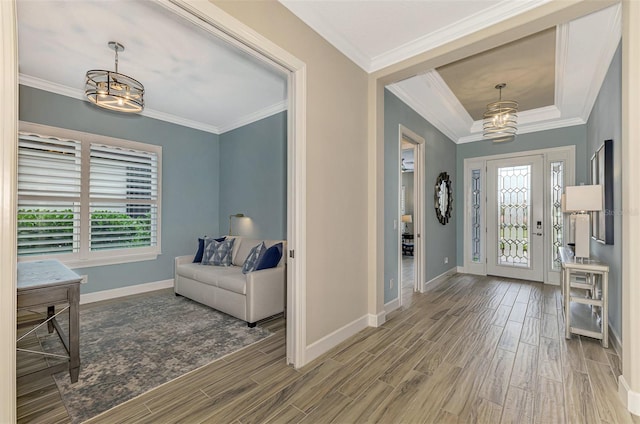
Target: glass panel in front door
[[514, 200]]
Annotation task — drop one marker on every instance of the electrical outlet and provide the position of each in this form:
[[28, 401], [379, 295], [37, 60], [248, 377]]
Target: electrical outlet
[[85, 279], [446, 259], [391, 283]]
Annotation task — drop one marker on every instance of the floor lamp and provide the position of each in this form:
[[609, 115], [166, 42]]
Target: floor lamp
[[581, 200]]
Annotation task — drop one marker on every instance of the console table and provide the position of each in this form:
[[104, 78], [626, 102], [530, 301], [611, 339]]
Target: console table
[[49, 283], [585, 314]]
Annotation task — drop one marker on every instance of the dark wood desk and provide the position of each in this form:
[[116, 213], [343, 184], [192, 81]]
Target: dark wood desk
[[407, 244], [46, 284]]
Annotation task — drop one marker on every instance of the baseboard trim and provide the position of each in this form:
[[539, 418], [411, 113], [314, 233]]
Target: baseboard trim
[[378, 319], [125, 291], [630, 398], [392, 306], [440, 277], [331, 340]]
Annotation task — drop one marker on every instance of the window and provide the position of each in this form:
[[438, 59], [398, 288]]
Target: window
[[87, 199]]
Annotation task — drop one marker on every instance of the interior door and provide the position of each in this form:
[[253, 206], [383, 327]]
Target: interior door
[[515, 217]]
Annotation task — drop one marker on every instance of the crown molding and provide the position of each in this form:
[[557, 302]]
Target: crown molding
[[256, 116], [527, 127], [562, 55], [75, 93], [612, 33], [329, 33], [492, 15]]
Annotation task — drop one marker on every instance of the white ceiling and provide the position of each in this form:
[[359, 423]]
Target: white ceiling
[[376, 34], [191, 77]]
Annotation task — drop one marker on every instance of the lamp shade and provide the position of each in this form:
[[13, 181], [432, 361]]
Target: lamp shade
[[583, 198], [407, 218]]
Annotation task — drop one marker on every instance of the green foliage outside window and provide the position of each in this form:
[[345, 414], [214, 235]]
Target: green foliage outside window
[[53, 230]]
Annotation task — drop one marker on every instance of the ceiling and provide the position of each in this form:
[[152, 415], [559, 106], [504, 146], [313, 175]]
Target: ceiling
[[194, 78], [191, 76], [554, 75]]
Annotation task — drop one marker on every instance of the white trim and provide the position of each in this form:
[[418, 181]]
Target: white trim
[[390, 307], [8, 207], [445, 275], [378, 319], [125, 291], [460, 270], [255, 116], [630, 398], [476, 22], [419, 151], [566, 153], [331, 340], [78, 94]]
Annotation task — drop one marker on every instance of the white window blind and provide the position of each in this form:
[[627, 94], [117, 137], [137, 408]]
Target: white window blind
[[94, 200], [49, 182]]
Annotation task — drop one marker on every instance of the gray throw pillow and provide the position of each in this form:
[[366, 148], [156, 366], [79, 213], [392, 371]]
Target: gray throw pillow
[[252, 260], [217, 252]]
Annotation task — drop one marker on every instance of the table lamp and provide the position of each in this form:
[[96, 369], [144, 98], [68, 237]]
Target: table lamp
[[407, 219], [580, 200]]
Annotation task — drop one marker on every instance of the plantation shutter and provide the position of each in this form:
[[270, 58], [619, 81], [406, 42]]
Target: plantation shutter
[[49, 183], [123, 195]]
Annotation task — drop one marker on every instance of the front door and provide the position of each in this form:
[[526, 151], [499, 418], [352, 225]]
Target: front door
[[515, 217]]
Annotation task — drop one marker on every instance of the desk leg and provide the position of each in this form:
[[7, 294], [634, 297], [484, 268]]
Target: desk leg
[[74, 333], [604, 310], [566, 289], [51, 311]]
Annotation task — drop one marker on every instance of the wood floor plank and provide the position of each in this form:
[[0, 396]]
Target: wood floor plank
[[354, 386], [483, 411], [518, 407], [549, 361], [578, 398], [288, 415], [572, 356], [510, 336], [502, 315], [431, 361], [445, 417], [328, 408], [394, 405], [524, 367], [518, 312], [549, 327], [608, 405], [398, 369], [549, 406], [365, 405], [593, 350], [530, 331], [495, 386]]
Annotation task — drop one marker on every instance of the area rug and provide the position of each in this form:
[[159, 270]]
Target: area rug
[[131, 346]]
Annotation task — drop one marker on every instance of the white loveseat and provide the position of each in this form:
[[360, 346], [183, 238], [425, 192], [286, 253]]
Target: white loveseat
[[249, 297]]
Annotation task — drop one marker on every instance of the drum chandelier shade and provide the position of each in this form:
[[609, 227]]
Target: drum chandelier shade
[[113, 90], [501, 119]]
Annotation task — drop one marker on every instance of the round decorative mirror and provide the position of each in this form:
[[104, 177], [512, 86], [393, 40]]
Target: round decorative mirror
[[443, 198]]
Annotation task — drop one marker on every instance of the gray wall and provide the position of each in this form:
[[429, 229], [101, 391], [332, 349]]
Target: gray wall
[[253, 174], [440, 156], [605, 123], [568, 136], [190, 162]]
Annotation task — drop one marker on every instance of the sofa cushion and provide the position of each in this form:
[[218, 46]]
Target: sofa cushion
[[188, 270], [198, 256], [217, 252], [252, 260], [212, 274], [271, 257], [241, 254], [233, 281]]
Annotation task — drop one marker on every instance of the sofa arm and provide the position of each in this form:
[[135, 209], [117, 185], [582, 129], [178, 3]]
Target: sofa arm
[[187, 259], [265, 293]]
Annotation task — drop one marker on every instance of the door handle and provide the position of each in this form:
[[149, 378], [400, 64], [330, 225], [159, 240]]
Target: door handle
[[538, 234]]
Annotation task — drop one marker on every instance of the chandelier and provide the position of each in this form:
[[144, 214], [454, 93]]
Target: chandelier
[[501, 119], [113, 90]]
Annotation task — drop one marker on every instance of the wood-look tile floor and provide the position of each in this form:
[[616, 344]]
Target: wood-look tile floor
[[471, 349]]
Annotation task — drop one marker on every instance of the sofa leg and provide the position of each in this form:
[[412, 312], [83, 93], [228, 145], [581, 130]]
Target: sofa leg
[[251, 324]]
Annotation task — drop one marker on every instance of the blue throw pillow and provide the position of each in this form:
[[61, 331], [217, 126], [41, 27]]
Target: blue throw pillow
[[217, 252], [271, 257], [252, 260], [198, 257]]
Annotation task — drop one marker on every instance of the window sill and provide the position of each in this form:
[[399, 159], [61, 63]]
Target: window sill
[[75, 263]]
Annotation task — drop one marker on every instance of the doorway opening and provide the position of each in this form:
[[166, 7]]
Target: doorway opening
[[410, 215]]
